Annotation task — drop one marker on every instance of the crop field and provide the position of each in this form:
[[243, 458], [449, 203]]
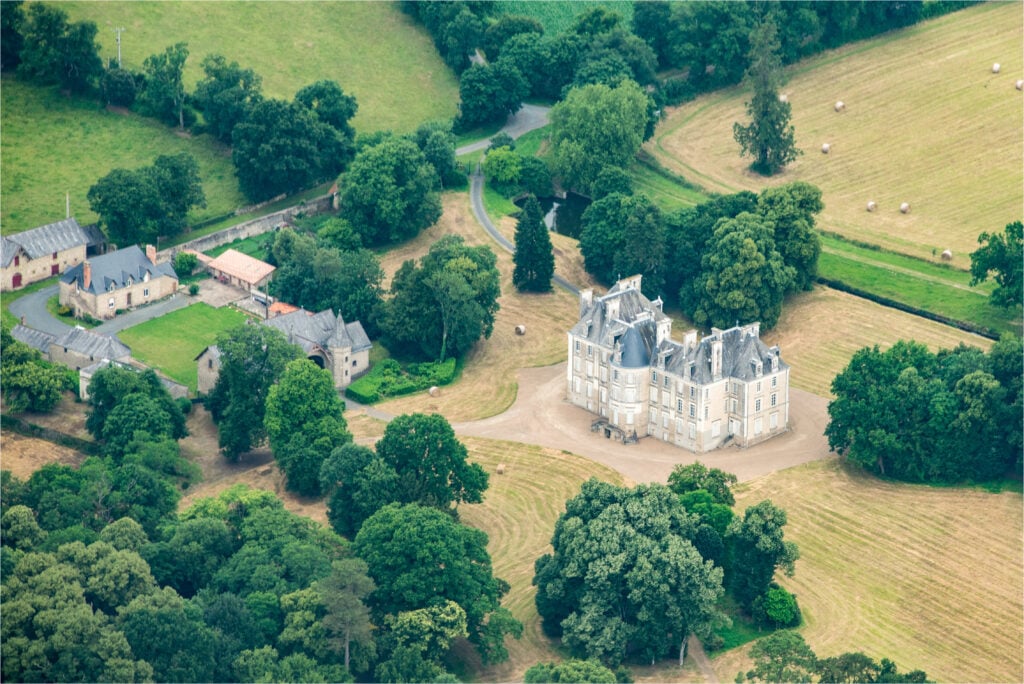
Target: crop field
[[172, 342], [559, 17], [926, 122], [54, 145], [928, 577], [372, 49]]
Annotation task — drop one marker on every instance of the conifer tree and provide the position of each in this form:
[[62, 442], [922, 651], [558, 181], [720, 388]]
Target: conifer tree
[[534, 259]]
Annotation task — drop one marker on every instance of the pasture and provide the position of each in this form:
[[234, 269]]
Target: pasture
[[54, 145], [926, 122], [172, 342], [372, 49], [927, 577]]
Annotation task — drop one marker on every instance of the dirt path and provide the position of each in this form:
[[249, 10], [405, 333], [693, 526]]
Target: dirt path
[[542, 416], [695, 650]]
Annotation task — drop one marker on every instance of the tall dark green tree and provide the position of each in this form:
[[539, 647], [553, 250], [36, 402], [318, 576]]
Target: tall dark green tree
[[757, 550], [1003, 255], [791, 208], [769, 137], [623, 235], [534, 258], [12, 23], [490, 92], [164, 95], [55, 51], [226, 95]]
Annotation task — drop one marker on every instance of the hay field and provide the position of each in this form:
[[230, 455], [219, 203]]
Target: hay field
[[928, 577], [819, 332], [372, 49], [926, 122], [488, 385]]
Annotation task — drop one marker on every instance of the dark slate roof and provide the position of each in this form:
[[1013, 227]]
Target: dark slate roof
[[37, 339], [92, 344], [323, 329], [742, 349], [634, 351], [115, 268], [53, 237], [214, 352]]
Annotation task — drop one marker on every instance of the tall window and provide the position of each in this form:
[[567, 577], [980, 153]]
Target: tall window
[[693, 410], [775, 381], [757, 405]]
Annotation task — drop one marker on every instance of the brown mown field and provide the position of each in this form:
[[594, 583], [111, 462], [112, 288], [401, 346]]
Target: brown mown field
[[926, 122], [927, 577]]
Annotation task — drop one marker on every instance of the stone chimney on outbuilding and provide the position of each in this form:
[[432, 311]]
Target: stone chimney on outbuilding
[[151, 253], [86, 275]]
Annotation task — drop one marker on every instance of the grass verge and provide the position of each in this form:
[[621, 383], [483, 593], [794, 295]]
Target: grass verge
[[172, 342]]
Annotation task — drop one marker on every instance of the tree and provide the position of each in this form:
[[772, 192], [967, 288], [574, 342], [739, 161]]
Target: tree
[[304, 423], [507, 26], [164, 94], [791, 209], [490, 92], [134, 413], [782, 657], [226, 95], [417, 640], [651, 22], [695, 476], [571, 670], [332, 106], [141, 205], [441, 308], [596, 126], [358, 483], [30, 383], [284, 147], [502, 167], [430, 462], [55, 51], [12, 23], [168, 633], [711, 41], [420, 557], [253, 357], [534, 258], [1002, 254], [347, 618], [115, 385], [776, 608], [437, 143], [757, 550], [744, 278], [391, 192], [624, 578], [768, 138], [624, 235]]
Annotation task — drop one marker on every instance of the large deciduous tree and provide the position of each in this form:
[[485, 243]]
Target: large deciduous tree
[[534, 258], [596, 126], [55, 51], [391, 192], [419, 557], [623, 235], [226, 95], [757, 549], [164, 95], [30, 383], [304, 423], [440, 308], [141, 205], [743, 278], [490, 92], [253, 357], [791, 209], [1003, 255], [624, 578], [768, 138]]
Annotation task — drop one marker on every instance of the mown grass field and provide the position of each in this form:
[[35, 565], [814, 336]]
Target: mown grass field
[[819, 332], [372, 49], [926, 122], [52, 145], [560, 16], [172, 342], [928, 577]]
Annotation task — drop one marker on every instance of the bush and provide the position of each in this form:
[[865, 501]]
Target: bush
[[185, 263], [193, 289], [63, 310], [777, 608]]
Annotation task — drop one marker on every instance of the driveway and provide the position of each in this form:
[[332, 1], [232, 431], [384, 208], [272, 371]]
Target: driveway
[[525, 120], [542, 416], [32, 308]]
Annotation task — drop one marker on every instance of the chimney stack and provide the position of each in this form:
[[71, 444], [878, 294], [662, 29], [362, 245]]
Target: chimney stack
[[151, 253], [86, 275]]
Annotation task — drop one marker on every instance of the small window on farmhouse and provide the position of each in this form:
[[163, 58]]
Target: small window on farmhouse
[[54, 256], [209, 363], [145, 277], [110, 288], [17, 260], [145, 293], [110, 303]]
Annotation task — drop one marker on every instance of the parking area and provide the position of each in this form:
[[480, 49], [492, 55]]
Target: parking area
[[218, 294]]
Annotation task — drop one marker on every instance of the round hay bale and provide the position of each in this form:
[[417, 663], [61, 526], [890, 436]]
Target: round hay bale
[[1019, 85], [840, 106], [905, 208], [947, 255], [826, 148], [434, 391], [995, 68], [520, 329], [500, 469], [783, 97], [872, 206]]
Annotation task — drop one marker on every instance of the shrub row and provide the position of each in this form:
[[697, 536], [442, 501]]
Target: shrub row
[[389, 379]]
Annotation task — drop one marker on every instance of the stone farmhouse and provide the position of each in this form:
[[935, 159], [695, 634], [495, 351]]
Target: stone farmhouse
[[728, 387], [119, 280], [46, 251], [77, 348], [341, 348]]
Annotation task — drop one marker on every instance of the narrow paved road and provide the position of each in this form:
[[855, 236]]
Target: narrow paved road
[[32, 309], [528, 118]]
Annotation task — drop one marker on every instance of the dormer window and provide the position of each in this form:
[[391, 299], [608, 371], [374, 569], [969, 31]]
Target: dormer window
[[110, 287], [145, 277], [130, 281]]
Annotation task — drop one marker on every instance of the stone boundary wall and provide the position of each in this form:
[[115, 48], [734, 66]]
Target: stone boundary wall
[[257, 226]]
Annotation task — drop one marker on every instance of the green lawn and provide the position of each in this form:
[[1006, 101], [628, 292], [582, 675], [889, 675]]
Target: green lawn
[[172, 342], [253, 246], [372, 49], [52, 145], [944, 291], [667, 193]]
